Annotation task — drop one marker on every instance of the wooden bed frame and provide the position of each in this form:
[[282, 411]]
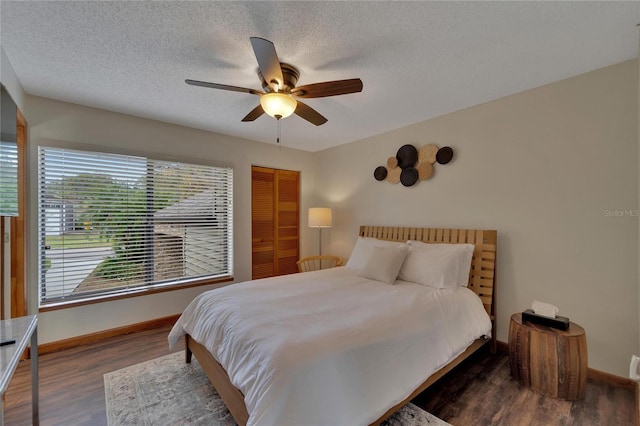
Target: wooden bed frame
[[481, 281]]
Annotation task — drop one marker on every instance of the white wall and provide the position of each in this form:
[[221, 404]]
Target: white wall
[[549, 169], [59, 123]]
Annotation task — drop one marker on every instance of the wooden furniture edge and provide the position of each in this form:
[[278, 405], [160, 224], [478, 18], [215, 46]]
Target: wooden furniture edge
[[100, 335], [476, 345], [234, 399], [231, 396]]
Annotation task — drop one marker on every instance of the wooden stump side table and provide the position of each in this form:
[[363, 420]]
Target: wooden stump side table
[[552, 362]]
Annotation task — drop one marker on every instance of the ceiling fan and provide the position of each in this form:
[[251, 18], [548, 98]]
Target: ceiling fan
[[279, 98]]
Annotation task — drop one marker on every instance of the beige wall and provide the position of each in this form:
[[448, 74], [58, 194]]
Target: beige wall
[[10, 80], [550, 169], [59, 123]]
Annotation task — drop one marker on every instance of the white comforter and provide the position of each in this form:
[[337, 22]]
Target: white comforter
[[330, 347]]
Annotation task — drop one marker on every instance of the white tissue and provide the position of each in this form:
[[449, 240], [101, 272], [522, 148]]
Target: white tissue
[[544, 309]]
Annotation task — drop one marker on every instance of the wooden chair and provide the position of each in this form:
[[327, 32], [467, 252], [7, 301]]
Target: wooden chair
[[314, 263]]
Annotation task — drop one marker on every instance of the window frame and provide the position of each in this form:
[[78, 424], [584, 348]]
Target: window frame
[[138, 291]]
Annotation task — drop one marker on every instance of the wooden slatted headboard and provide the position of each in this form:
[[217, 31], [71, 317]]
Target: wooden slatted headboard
[[482, 278]]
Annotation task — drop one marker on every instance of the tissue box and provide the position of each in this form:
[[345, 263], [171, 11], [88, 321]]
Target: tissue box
[[561, 323]]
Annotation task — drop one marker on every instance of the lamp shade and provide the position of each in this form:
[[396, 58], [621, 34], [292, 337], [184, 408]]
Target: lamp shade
[[278, 105], [320, 217]]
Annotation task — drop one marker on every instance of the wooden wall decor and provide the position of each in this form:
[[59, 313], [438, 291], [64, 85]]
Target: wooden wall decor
[[411, 165]]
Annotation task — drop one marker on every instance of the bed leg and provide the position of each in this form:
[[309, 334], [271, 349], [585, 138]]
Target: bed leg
[[493, 346], [187, 351]]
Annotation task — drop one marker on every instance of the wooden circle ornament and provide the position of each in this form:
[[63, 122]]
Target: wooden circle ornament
[[407, 156], [393, 175], [425, 170], [444, 155], [427, 154], [380, 173], [392, 162]]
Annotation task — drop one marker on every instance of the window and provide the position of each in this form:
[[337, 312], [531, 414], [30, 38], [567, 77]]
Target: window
[[8, 155], [8, 178], [114, 224]]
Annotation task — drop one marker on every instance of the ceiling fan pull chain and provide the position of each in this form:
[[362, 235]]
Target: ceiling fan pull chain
[[279, 132]]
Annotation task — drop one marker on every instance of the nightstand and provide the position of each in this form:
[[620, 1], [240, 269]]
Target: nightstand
[[552, 362]]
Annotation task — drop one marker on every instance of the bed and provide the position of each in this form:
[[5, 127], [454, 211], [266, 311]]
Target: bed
[[358, 357]]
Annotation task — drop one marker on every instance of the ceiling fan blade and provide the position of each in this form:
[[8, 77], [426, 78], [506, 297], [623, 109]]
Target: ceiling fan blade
[[268, 61], [223, 87], [255, 113], [309, 114], [328, 88]]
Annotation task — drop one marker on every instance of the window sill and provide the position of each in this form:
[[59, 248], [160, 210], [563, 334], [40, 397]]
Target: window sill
[[136, 293]]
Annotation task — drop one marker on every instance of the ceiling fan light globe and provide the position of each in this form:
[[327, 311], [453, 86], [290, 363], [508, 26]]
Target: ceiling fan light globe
[[278, 104]]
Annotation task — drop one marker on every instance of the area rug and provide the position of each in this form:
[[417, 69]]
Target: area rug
[[167, 391]]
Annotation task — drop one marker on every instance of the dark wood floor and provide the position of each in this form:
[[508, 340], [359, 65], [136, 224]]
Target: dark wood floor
[[478, 392], [481, 392], [71, 383]]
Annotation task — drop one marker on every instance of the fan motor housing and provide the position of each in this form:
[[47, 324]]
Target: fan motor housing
[[290, 74]]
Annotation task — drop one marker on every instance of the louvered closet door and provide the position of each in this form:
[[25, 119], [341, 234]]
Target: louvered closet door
[[287, 215], [275, 220], [262, 222]]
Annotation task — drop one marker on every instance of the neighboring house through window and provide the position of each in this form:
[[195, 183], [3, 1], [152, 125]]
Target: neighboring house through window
[[112, 224]]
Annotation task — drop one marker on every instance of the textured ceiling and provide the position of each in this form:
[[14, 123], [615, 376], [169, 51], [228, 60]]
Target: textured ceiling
[[417, 60]]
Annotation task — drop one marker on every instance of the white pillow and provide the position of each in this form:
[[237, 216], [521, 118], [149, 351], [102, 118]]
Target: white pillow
[[363, 248], [384, 263], [437, 265]]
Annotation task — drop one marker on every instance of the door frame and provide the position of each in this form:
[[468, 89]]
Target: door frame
[[17, 230]]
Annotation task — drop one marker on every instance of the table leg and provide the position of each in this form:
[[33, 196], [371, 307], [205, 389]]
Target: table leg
[[34, 378]]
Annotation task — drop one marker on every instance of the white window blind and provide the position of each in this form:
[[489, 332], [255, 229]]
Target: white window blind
[[111, 224], [8, 178]]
